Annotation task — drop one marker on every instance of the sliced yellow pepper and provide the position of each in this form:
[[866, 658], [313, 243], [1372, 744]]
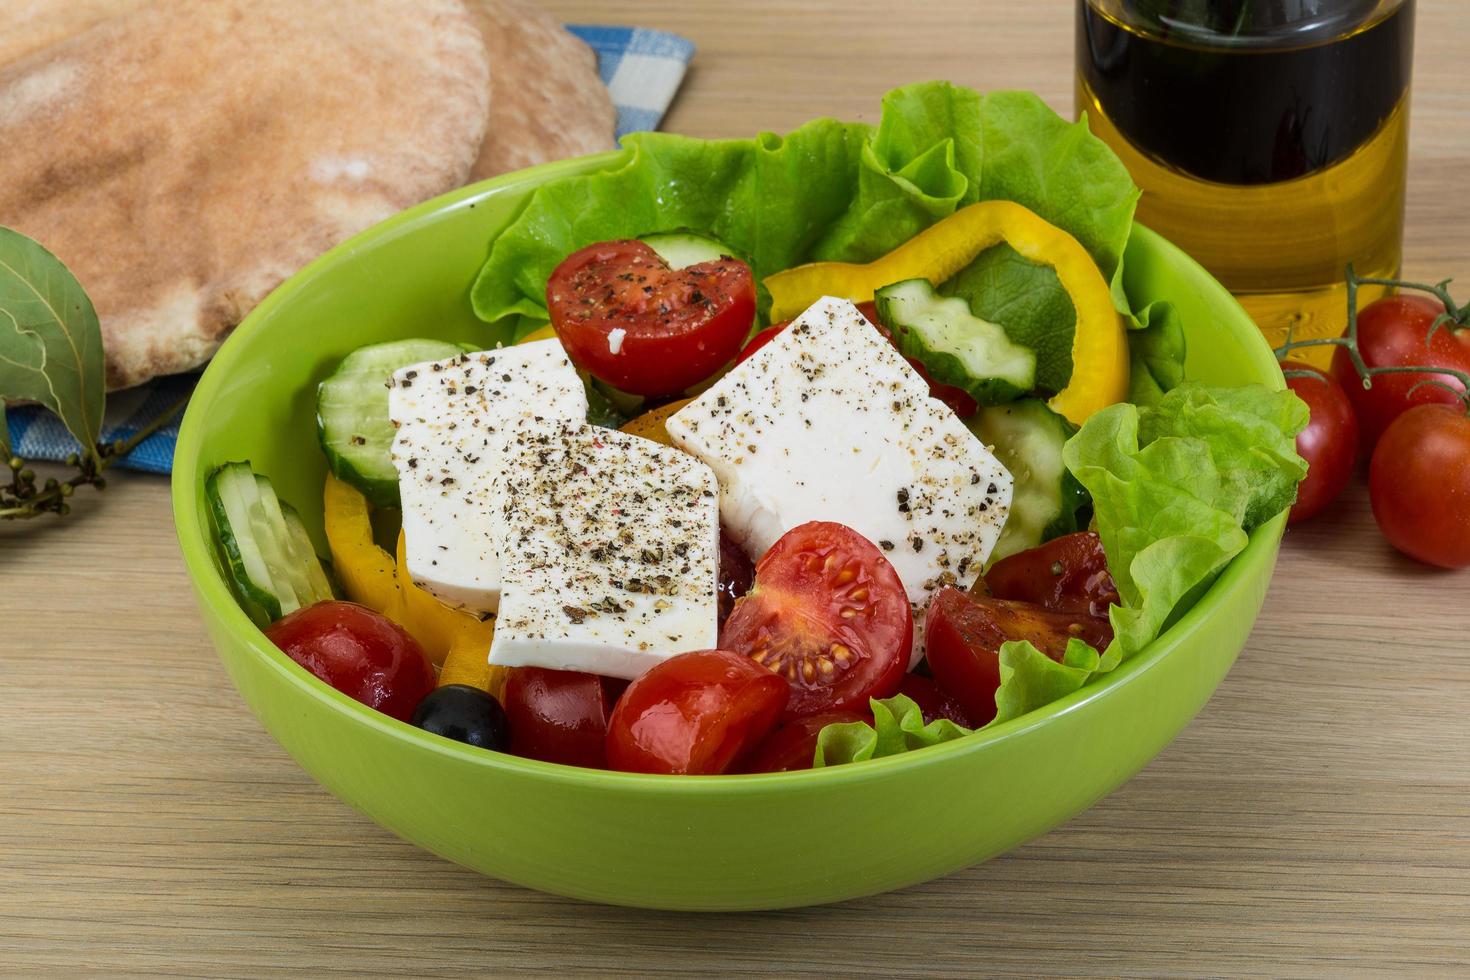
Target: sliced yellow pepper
[[370, 575], [540, 333], [650, 425], [1099, 343]]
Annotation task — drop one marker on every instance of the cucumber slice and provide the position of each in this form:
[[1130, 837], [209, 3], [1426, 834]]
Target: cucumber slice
[[1027, 437], [954, 345], [273, 568], [685, 248], [352, 413]]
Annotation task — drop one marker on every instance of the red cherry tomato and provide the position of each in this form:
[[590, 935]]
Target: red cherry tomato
[[737, 575], [762, 339], [956, 398], [1067, 574], [1419, 485], [829, 614], [1329, 443], [964, 633], [627, 318], [697, 713], [560, 715], [933, 701], [794, 745], [1395, 331], [361, 653]]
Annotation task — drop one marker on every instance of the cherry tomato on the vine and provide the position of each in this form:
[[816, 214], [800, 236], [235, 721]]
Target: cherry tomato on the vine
[[829, 614], [1329, 443], [698, 713], [627, 318], [1394, 331], [1419, 484], [361, 653]]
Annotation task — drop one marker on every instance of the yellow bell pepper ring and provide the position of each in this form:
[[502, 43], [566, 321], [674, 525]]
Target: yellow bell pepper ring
[[371, 576], [1099, 342]]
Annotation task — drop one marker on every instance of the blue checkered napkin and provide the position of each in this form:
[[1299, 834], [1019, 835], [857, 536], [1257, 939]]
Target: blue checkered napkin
[[642, 70]]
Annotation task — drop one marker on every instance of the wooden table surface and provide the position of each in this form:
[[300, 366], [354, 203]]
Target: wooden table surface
[[1314, 819]]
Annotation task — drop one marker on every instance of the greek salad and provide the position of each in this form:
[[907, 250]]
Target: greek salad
[[812, 450]]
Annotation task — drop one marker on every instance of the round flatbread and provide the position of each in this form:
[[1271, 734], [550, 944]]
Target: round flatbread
[[549, 102], [185, 157]]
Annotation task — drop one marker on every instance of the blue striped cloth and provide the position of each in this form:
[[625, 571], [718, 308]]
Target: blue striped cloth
[[642, 70]]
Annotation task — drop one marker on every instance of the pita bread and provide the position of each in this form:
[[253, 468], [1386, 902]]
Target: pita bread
[[34, 24], [185, 157], [549, 102]]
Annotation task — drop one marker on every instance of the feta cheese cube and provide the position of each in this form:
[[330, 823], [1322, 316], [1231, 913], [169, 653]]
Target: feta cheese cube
[[829, 422], [454, 420], [609, 552]]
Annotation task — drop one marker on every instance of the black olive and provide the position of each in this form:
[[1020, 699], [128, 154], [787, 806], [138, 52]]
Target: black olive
[[465, 714]]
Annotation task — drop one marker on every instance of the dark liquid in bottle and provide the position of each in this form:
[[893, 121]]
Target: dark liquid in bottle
[[1269, 137]]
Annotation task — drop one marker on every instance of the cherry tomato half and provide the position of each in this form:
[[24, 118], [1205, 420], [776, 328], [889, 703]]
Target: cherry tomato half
[[957, 399], [1066, 574], [829, 614], [933, 701], [560, 715], [793, 746], [1395, 331], [964, 633], [1329, 443], [627, 318], [697, 713], [1419, 485], [361, 653]]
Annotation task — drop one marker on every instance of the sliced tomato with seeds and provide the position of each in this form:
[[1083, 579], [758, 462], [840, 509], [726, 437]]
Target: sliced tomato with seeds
[[627, 318], [963, 634], [829, 614], [1066, 574]]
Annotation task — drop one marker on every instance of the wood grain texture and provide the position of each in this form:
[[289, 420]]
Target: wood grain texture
[[1315, 819]]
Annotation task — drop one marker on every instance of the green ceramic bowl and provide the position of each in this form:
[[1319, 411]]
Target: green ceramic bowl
[[731, 842]]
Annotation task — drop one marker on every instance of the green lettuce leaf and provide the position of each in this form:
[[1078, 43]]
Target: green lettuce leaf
[[1030, 679], [1155, 353], [898, 726], [1176, 489]]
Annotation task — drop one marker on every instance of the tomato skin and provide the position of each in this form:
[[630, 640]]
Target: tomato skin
[[761, 339], [697, 713], [964, 634], [1394, 331], [1329, 443], [1419, 485], [679, 326], [560, 715], [957, 399], [737, 575], [934, 702], [829, 613], [1066, 574], [361, 653], [793, 746]]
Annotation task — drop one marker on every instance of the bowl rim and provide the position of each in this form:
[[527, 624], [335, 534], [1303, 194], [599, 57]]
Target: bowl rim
[[212, 590]]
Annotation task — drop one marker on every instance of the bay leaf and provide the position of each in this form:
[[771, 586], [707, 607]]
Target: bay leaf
[[50, 341]]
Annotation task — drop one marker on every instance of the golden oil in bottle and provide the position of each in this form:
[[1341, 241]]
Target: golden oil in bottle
[[1270, 138]]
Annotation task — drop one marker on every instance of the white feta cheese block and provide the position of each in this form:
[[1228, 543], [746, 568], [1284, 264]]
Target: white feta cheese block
[[455, 419], [829, 422], [609, 552]]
